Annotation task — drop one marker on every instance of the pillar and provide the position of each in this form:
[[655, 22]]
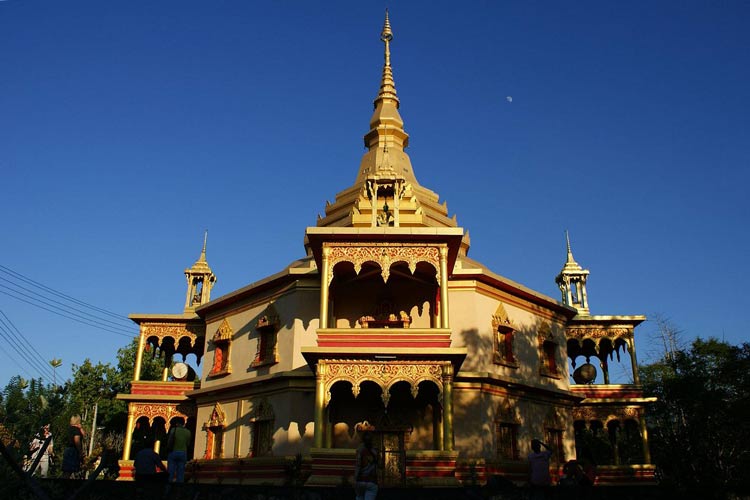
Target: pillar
[[139, 356], [444, 287], [128, 432], [633, 361], [319, 415], [644, 438], [448, 407], [324, 288]]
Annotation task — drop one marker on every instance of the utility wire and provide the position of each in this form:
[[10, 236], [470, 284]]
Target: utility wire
[[30, 362], [36, 356], [7, 270], [83, 321], [13, 358], [89, 316]]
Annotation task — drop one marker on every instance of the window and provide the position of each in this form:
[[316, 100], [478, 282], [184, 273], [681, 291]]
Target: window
[[503, 344], [267, 327], [222, 341], [548, 365], [215, 433], [261, 423], [506, 438], [555, 442]]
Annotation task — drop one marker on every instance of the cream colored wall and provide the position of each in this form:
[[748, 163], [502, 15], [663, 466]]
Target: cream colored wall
[[471, 324], [476, 414], [298, 311], [293, 424]]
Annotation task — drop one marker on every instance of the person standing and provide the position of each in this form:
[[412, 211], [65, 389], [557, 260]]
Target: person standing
[[366, 469], [539, 477], [73, 454], [177, 444], [42, 448], [147, 463]]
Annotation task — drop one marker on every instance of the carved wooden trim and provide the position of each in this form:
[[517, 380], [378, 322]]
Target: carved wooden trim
[[167, 411], [607, 414], [385, 374], [175, 331], [384, 255]]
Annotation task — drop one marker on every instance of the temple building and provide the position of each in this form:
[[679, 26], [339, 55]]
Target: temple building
[[385, 324]]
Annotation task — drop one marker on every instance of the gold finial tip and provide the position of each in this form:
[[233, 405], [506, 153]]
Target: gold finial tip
[[386, 35]]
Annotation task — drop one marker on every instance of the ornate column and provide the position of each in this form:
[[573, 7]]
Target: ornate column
[[128, 432], [448, 407], [319, 415], [324, 288], [644, 438], [139, 355], [444, 287], [633, 361]]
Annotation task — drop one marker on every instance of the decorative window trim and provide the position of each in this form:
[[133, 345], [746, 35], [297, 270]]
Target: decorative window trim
[[268, 326], [214, 428], [549, 364], [506, 417], [503, 333], [222, 341], [261, 422]]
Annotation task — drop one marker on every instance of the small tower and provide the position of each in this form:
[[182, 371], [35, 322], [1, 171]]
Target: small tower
[[572, 283], [200, 280]]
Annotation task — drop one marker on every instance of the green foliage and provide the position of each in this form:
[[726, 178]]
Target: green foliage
[[26, 405], [699, 427]]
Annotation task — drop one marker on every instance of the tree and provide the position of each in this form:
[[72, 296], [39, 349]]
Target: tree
[[699, 427]]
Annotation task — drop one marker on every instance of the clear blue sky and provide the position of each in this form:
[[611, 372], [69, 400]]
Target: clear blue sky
[[129, 127]]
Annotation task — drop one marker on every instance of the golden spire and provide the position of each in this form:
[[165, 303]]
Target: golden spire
[[386, 124], [202, 258], [387, 85]]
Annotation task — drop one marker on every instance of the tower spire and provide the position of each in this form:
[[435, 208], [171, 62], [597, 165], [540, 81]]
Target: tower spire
[[200, 280], [386, 124], [572, 281]]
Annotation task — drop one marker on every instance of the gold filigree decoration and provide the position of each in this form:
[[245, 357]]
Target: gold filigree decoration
[[224, 332], [506, 412], [385, 374], [607, 414], [262, 410], [597, 333], [269, 318], [175, 331], [167, 411], [218, 418], [384, 255]]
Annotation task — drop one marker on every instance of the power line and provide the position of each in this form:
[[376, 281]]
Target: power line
[[90, 317], [20, 276], [82, 321], [30, 361], [13, 358], [39, 358]]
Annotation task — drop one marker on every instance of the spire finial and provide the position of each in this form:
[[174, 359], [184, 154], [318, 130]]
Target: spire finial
[[567, 241], [387, 85], [202, 258]]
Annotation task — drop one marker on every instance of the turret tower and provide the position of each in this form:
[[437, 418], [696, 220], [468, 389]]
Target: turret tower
[[572, 283], [200, 280]]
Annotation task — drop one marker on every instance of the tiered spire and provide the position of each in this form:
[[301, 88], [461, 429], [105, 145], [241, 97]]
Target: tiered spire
[[572, 282], [200, 280], [386, 192]]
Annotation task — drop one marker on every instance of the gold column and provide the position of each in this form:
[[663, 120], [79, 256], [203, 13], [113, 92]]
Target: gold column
[[444, 287], [448, 407], [324, 288], [644, 438], [139, 356], [319, 403], [128, 433], [634, 361]]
